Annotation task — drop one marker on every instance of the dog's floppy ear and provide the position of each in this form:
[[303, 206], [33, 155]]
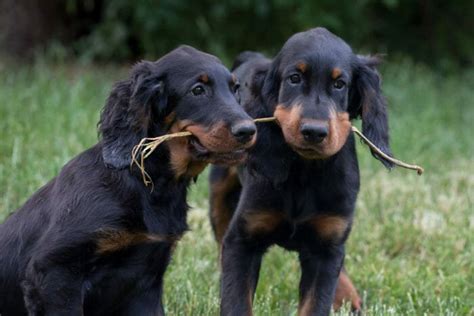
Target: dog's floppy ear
[[366, 101], [271, 85], [125, 118]]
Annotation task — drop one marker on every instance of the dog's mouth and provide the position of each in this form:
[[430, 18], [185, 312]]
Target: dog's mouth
[[201, 153], [310, 152]]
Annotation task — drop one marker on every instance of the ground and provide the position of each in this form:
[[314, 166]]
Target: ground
[[412, 246]]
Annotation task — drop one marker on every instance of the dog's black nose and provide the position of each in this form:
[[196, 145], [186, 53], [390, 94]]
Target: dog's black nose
[[313, 132], [244, 131]]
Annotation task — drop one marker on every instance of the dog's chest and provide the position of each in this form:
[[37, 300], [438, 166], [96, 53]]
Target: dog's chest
[[301, 200], [164, 211], [312, 207]]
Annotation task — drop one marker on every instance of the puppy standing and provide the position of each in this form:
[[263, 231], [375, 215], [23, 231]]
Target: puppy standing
[[95, 240], [300, 183]]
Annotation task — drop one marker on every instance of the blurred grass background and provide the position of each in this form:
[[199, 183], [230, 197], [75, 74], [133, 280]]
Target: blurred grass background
[[411, 248]]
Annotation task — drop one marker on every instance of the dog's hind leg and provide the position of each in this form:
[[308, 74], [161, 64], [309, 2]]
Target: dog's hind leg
[[346, 292], [52, 290]]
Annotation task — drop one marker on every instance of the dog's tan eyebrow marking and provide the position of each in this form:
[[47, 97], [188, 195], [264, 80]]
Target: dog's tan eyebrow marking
[[336, 72], [234, 78], [302, 66], [204, 78]]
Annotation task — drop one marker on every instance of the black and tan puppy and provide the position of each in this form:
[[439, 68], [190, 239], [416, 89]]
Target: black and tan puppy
[[95, 240], [299, 186]]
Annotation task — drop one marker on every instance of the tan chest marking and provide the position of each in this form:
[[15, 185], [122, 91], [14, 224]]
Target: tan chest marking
[[116, 240]]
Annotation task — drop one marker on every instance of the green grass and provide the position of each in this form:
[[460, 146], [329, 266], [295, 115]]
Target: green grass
[[411, 249]]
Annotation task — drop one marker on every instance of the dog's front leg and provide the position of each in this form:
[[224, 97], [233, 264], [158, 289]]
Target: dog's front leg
[[319, 275], [146, 303], [241, 262]]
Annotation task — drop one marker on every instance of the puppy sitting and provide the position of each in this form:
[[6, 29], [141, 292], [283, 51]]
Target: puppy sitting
[[95, 240], [300, 182]]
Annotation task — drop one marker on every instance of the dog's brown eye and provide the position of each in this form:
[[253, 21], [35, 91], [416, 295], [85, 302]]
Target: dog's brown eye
[[295, 79], [339, 84], [198, 90]]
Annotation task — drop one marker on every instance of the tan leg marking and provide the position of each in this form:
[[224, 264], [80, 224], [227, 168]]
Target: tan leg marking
[[262, 222], [307, 303], [329, 226]]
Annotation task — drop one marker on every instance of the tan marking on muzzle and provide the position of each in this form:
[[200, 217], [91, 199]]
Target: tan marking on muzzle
[[180, 157], [289, 118], [169, 119], [218, 138], [339, 130]]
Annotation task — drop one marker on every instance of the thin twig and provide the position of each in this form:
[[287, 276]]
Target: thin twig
[[397, 162], [147, 145], [265, 119]]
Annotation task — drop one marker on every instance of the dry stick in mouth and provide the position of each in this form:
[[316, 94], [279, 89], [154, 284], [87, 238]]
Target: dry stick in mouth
[[147, 145], [397, 162]]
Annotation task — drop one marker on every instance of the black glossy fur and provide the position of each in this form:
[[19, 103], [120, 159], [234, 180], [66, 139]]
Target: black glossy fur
[[298, 189], [95, 240]]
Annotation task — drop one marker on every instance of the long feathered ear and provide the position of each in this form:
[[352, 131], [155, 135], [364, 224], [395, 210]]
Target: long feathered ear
[[366, 101], [125, 118], [271, 84]]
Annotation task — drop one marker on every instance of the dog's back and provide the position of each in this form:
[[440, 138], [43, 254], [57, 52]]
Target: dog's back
[[23, 231]]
